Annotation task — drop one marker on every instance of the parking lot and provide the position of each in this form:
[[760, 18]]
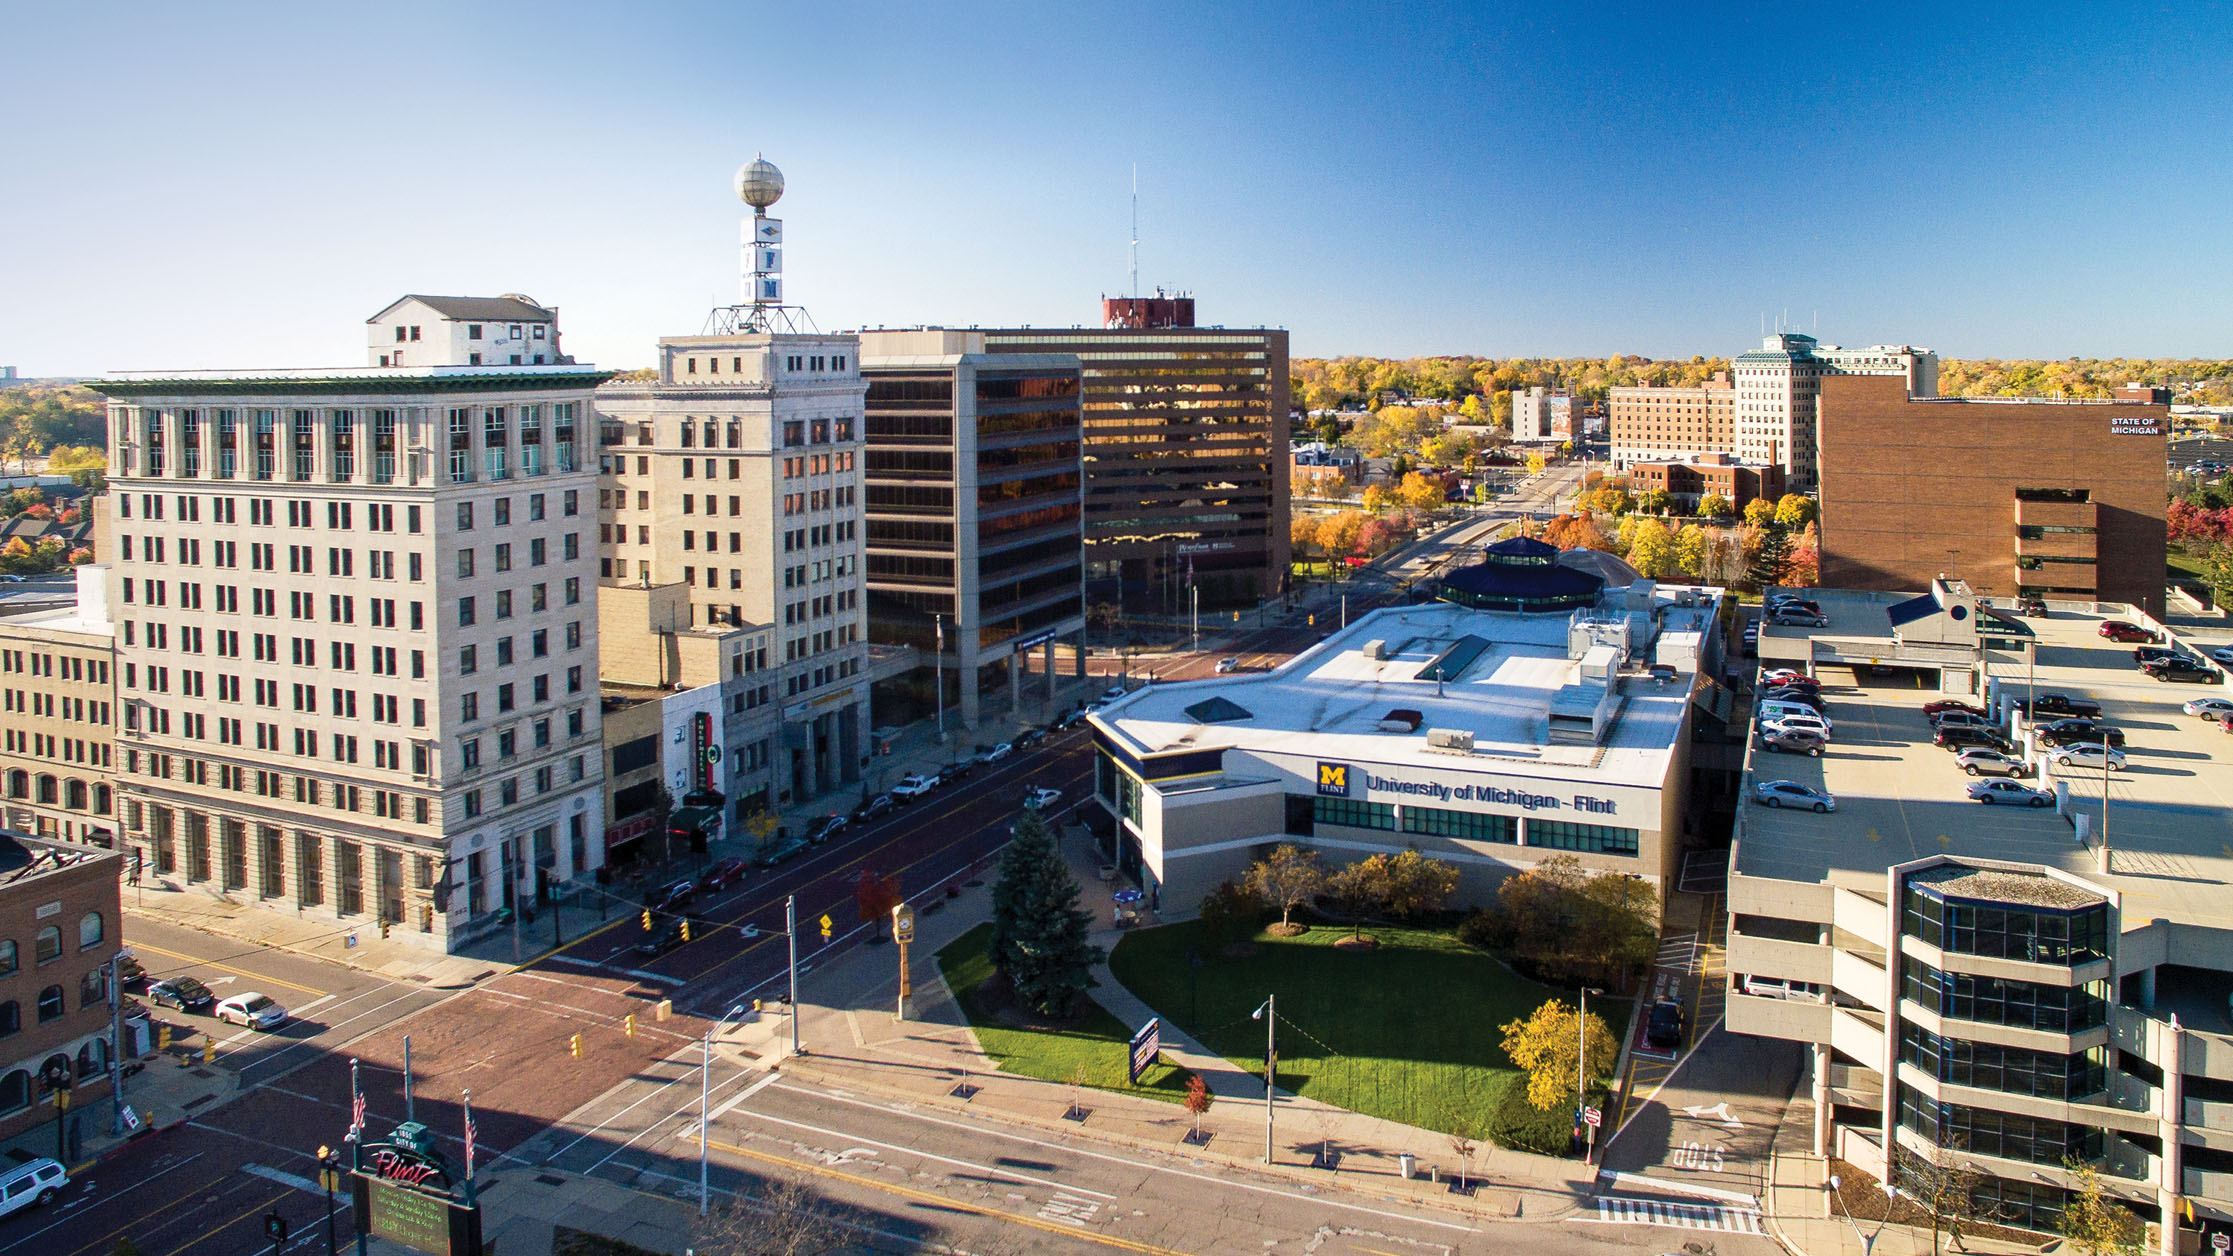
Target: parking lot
[[1899, 797]]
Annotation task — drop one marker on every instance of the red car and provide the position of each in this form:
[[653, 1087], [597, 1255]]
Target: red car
[[2125, 631], [1949, 704], [722, 875], [1788, 680]]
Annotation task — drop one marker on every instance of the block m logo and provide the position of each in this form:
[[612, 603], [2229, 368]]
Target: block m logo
[[1333, 778]]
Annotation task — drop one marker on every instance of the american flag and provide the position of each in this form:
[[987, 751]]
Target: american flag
[[356, 1114], [470, 1131]]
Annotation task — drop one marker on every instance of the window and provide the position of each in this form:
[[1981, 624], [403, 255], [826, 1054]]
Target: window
[[1600, 839], [50, 1004], [1354, 813], [7, 957], [2003, 931], [1467, 824], [49, 945], [1999, 1001], [89, 930]]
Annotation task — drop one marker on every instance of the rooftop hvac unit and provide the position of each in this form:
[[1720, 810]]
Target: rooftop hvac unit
[[1451, 739], [1376, 650]]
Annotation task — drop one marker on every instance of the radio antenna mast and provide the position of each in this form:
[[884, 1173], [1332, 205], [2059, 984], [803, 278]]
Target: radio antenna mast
[[1135, 229]]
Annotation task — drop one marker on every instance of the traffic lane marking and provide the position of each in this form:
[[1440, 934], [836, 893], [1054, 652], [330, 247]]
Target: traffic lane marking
[[210, 963], [14, 1243], [935, 1200], [674, 1057], [216, 1190], [992, 1131], [650, 1126], [846, 1137], [294, 1044]]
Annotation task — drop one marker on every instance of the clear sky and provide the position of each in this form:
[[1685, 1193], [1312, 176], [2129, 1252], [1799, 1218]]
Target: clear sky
[[226, 185]]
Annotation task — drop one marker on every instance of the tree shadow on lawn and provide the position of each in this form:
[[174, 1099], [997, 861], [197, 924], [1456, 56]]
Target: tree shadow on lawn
[[1411, 1030]]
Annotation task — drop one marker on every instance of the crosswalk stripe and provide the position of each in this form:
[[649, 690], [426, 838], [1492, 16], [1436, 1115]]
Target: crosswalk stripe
[[1616, 1210]]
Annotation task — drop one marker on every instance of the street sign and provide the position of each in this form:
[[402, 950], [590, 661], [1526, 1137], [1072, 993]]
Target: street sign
[[903, 923], [1593, 1117], [1147, 1047], [827, 924], [275, 1226]]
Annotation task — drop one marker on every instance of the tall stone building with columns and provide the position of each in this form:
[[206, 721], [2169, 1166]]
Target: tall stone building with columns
[[356, 637]]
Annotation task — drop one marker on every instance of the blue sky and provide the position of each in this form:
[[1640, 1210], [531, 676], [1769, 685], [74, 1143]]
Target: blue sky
[[228, 185]]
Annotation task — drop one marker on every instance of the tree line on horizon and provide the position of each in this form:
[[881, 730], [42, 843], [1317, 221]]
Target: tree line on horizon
[[1349, 382]]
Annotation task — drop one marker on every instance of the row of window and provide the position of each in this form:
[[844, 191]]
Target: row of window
[[50, 791], [340, 515], [2038, 935], [2069, 1077], [1984, 1132], [55, 666], [1998, 1001]]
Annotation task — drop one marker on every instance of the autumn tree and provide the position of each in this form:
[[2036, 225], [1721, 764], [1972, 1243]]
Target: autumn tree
[[1288, 878], [1420, 491], [1576, 531], [1337, 534], [1655, 501], [1198, 1101], [1536, 463], [1760, 511], [1651, 550], [1229, 913], [1691, 546], [1379, 497], [1795, 511], [1802, 567], [2093, 1222], [1715, 506], [1568, 924], [1302, 533], [1543, 1044]]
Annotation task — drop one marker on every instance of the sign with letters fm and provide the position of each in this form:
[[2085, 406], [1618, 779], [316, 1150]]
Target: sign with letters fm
[[1333, 779]]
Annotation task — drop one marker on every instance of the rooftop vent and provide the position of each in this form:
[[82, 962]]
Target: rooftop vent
[[1450, 739], [1376, 650], [1218, 711], [1401, 720]]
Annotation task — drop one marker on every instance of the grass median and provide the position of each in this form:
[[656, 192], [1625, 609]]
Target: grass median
[[1098, 1043], [1410, 1030]]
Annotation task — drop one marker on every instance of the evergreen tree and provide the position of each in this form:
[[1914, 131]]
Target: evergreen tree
[[1038, 930], [1775, 553]]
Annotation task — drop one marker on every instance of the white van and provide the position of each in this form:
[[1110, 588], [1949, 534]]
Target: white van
[[32, 1182]]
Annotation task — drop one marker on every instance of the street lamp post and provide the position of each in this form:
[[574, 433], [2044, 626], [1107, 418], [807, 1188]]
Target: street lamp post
[[1868, 1241], [1581, 1057], [1271, 1066], [329, 1175]]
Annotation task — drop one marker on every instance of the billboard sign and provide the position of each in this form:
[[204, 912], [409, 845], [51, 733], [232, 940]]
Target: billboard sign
[[1147, 1047]]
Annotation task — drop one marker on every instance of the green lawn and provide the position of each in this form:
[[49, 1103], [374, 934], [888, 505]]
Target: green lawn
[[1410, 1032], [2181, 563], [1099, 1042]]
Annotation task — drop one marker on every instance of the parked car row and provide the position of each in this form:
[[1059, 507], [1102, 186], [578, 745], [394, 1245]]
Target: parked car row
[[1789, 610]]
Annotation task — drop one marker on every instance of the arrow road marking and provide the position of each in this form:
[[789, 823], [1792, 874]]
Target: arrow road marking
[[1719, 1112]]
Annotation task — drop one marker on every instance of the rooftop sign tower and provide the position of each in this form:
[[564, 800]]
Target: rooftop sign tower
[[760, 185]]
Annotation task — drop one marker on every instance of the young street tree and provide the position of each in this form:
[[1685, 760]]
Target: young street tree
[[2096, 1224], [1038, 930], [779, 1216], [1288, 878], [1543, 1045], [1198, 1101], [1940, 1187]]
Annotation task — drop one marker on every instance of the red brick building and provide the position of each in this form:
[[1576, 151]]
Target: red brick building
[[1689, 482], [2059, 498], [60, 921]]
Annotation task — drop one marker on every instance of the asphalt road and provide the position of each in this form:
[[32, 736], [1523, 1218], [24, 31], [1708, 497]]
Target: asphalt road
[[897, 1175], [203, 1190]]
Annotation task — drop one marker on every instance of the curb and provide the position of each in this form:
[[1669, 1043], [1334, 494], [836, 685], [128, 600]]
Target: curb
[[128, 1141], [807, 1067]]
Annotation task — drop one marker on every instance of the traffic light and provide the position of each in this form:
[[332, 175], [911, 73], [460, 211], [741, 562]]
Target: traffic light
[[574, 1046], [628, 1024], [647, 920], [1314, 621], [686, 928], [163, 1038], [386, 927]]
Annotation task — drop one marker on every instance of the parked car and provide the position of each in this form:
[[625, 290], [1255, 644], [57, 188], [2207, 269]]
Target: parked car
[[827, 827], [1113, 692], [2182, 667], [994, 754], [1775, 708], [2223, 654], [2007, 791], [2125, 631], [912, 788], [1750, 640], [2215, 710], [1958, 739], [1786, 678], [2036, 607], [2051, 704], [252, 1010], [34, 1182], [1960, 719], [128, 970], [1664, 1028], [2067, 732], [1950, 704], [1041, 798], [772, 855], [1794, 693], [722, 875], [2142, 655], [673, 898], [955, 771], [873, 808], [1790, 601], [1799, 617], [1792, 794], [1792, 723], [1226, 665], [183, 993], [665, 935], [1979, 761], [1073, 719], [1030, 737], [1794, 740], [2088, 754]]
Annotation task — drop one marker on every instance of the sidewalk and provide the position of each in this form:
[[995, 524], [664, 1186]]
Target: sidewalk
[[357, 945], [932, 1059], [172, 1088]]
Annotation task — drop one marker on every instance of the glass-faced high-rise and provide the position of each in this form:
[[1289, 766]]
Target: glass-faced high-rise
[[356, 637]]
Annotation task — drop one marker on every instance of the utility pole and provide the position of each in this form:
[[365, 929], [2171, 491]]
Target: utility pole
[[116, 1042], [407, 1113], [511, 880], [1196, 590], [791, 931], [938, 675], [1581, 1054], [1270, 1017], [705, 1134]]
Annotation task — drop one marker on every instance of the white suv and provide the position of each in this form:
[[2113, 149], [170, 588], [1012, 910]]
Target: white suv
[[913, 788]]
